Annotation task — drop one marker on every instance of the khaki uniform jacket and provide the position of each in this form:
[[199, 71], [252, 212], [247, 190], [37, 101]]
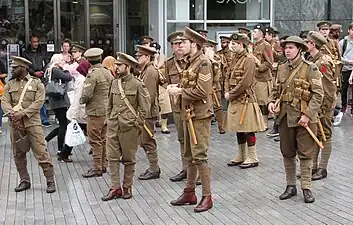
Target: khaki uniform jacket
[[197, 88], [32, 102], [95, 90], [325, 65], [217, 73], [263, 52], [150, 76], [226, 57], [119, 116], [173, 73], [331, 49], [289, 107]]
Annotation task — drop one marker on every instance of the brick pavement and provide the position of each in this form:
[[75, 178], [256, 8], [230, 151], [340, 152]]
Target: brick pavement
[[240, 196]]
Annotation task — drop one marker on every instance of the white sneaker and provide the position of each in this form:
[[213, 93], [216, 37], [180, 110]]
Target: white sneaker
[[337, 119]]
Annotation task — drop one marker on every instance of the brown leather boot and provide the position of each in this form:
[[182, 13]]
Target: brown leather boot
[[127, 193], [51, 186], [128, 180], [205, 204], [219, 115], [113, 194], [24, 185], [187, 198]]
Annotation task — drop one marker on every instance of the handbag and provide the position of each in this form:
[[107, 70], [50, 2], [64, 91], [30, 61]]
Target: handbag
[[54, 89]]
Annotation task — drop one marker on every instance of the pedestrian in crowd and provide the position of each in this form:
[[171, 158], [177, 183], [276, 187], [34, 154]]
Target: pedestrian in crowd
[[346, 52], [76, 110], [26, 131], [244, 115], [298, 95], [123, 130], [3, 75], [59, 105], [150, 76], [38, 57], [95, 96], [196, 99], [109, 63]]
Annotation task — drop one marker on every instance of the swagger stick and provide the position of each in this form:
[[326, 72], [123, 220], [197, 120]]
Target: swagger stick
[[191, 126], [322, 131]]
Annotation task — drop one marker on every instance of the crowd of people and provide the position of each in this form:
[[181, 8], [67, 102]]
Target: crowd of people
[[117, 102]]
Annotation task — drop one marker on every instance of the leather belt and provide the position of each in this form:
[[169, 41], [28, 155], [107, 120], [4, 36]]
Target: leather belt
[[287, 97]]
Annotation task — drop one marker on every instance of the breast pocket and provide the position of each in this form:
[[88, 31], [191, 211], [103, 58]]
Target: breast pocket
[[174, 78], [15, 93], [30, 94], [131, 95], [116, 96]]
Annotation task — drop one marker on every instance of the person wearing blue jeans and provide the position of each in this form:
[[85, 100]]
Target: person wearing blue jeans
[[44, 117]]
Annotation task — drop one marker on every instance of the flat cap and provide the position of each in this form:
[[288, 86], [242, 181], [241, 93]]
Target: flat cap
[[260, 27], [243, 30], [194, 36], [224, 38], [176, 37], [145, 39], [240, 37], [77, 48], [144, 50], [19, 61], [270, 30], [126, 59], [295, 40], [317, 38], [210, 43], [323, 24], [93, 53], [336, 27]]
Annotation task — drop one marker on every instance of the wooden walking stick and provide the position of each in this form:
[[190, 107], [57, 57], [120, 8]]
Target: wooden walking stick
[[245, 108], [319, 143], [322, 131], [191, 126], [218, 104], [149, 132]]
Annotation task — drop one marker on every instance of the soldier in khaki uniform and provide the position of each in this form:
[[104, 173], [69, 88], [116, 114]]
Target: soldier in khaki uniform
[[315, 41], [173, 73], [297, 95], [128, 96], [146, 41], [243, 115], [264, 62], [150, 76], [196, 94], [25, 121], [209, 50], [77, 51], [95, 96]]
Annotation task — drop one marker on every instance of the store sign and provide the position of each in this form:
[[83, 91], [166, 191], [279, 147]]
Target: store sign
[[234, 1], [12, 50]]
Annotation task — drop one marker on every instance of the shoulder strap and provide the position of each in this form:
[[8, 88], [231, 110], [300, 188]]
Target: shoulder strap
[[24, 91], [123, 97], [290, 78], [344, 47], [177, 65]]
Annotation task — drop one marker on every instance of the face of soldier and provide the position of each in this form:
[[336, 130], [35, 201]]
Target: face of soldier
[[235, 46], [291, 51], [142, 59], [18, 72], [66, 47], [185, 46], [310, 45], [177, 49], [76, 54], [224, 44], [268, 36], [325, 31], [257, 34], [122, 69]]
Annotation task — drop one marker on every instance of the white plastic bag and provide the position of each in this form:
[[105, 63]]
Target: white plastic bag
[[74, 135]]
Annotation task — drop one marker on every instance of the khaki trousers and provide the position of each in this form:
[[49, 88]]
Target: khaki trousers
[[96, 130]]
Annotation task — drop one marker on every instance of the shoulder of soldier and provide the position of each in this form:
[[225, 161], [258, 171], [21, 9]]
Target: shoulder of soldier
[[138, 82], [311, 65], [327, 59], [170, 58], [205, 61]]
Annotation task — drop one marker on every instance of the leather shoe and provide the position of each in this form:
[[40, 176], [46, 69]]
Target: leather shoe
[[221, 131], [187, 198], [231, 163], [104, 169], [248, 165], [290, 191], [148, 175], [92, 173], [179, 177], [204, 205], [24, 185], [113, 194], [51, 187], [165, 132], [320, 174], [308, 196], [127, 194]]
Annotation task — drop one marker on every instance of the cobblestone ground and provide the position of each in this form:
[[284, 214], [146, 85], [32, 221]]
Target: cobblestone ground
[[240, 196]]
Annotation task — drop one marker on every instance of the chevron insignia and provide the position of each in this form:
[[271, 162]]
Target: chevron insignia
[[204, 77]]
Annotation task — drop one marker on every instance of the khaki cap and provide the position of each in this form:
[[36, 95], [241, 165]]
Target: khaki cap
[[240, 37], [144, 50], [296, 40], [194, 36], [126, 59], [176, 37], [93, 53], [210, 43], [243, 30], [78, 48], [317, 38], [336, 27], [19, 61], [323, 24], [224, 38], [146, 39]]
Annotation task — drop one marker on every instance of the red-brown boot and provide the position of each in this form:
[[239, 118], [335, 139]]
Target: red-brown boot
[[204, 205], [187, 198], [113, 194]]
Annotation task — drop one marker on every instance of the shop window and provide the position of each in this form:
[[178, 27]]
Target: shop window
[[172, 27], [185, 9], [238, 9]]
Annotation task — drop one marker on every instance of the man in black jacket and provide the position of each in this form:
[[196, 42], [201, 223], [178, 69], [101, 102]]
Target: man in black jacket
[[38, 57]]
